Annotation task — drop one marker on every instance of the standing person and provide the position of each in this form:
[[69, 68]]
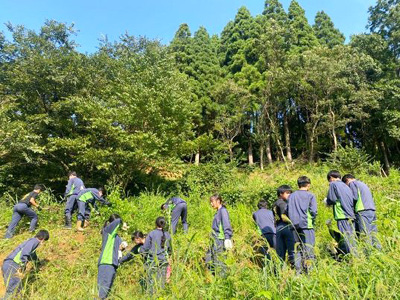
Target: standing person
[[340, 197], [364, 209], [83, 199], [221, 236], [23, 208], [284, 234], [18, 259], [108, 261], [302, 211], [177, 208], [265, 222], [74, 186], [157, 247]]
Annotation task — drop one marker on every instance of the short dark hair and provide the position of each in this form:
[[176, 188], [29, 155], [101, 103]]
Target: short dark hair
[[42, 235], [283, 188], [347, 177], [137, 235], [164, 206], [303, 181], [102, 190], [72, 173], [334, 174], [262, 204], [38, 187]]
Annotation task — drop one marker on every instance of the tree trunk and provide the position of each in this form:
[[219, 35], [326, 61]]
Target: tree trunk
[[197, 158], [268, 149], [251, 159], [287, 138], [230, 152], [262, 157], [385, 158]]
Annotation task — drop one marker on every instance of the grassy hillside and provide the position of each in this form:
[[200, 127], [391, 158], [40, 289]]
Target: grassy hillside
[[71, 270]]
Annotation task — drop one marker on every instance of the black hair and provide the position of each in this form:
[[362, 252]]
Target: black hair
[[163, 206], [102, 190], [282, 189], [262, 204], [72, 173], [347, 177], [334, 174], [217, 197], [160, 223], [112, 218], [42, 235], [137, 235], [303, 181], [38, 187]]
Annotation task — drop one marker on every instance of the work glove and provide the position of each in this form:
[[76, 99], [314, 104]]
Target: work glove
[[228, 244], [326, 202]]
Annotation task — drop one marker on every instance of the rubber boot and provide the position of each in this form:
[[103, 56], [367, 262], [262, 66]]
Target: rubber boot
[[79, 226], [68, 224], [86, 224]]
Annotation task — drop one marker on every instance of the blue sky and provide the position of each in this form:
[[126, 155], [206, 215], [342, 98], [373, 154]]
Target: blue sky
[[160, 19]]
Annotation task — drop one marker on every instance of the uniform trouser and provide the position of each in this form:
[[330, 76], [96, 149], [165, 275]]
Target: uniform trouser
[[83, 210], [215, 256], [304, 248], [156, 275], [11, 280], [271, 239], [346, 227], [105, 279], [179, 211], [366, 224], [285, 242], [20, 210], [70, 205]]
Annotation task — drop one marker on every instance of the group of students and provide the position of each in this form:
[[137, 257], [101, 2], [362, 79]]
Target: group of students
[[288, 228]]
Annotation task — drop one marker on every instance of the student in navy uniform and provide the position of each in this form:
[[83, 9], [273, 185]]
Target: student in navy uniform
[[23, 208], [302, 211], [108, 261], [221, 236], [177, 208], [341, 198], [18, 259], [284, 234], [364, 209], [157, 247], [74, 186], [265, 221], [139, 239], [84, 198]]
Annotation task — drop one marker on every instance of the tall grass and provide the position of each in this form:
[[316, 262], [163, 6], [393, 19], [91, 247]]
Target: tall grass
[[72, 267]]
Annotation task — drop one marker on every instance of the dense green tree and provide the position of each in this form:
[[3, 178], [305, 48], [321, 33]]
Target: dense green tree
[[326, 32]]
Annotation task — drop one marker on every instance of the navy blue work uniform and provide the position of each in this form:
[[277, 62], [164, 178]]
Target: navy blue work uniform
[[265, 221], [341, 197], [178, 210], [157, 258], [23, 208], [74, 186], [284, 234], [131, 254], [86, 197], [365, 212], [108, 261], [18, 259], [221, 231], [302, 211]]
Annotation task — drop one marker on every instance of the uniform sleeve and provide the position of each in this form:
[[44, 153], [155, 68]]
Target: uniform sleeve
[[331, 198], [226, 224], [147, 244], [97, 197], [112, 226], [354, 190], [28, 252], [69, 187], [313, 208]]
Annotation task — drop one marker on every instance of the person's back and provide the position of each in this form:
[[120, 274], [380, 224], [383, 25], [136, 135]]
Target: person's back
[[363, 195], [302, 209], [342, 199], [265, 220], [154, 248]]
